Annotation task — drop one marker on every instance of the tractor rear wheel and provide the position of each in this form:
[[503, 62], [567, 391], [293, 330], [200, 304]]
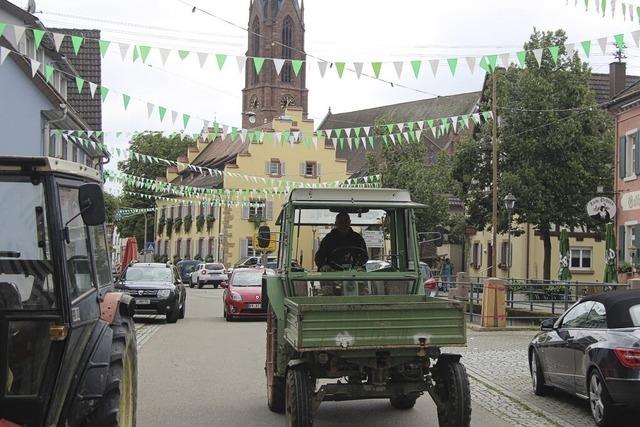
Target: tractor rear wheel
[[452, 385], [300, 388], [117, 407], [275, 384]]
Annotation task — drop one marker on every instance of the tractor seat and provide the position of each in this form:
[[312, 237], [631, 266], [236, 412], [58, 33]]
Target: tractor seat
[[10, 296]]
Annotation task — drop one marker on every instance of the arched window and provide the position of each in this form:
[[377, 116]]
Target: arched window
[[287, 43], [255, 48]]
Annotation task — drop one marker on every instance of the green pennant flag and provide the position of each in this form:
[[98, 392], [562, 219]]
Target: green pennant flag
[[522, 58], [125, 100], [144, 52], [185, 119], [357, 132], [103, 93], [37, 37], [338, 132], [104, 46], [285, 136], [493, 61], [341, 143], [415, 65], [258, 63], [98, 133], [377, 66], [2, 27], [136, 53], [604, 7], [390, 128], [319, 134], [340, 68], [385, 138], [161, 111], [371, 141], [554, 50], [586, 46], [220, 59], [453, 63], [48, 72], [296, 64], [430, 123], [485, 116], [411, 125], [619, 38], [76, 41], [183, 54], [234, 133], [79, 84]]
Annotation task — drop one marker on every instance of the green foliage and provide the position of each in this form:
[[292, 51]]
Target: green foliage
[[111, 205], [155, 145], [161, 222], [626, 267], [256, 220], [187, 222], [209, 258], [198, 257], [160, 258], [411, 166], [552, 159], [210, 220], [177, 224], [200, 220], [169, 227]]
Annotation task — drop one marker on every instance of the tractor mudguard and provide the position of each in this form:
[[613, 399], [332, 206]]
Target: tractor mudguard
[[449, 358], [114, 302], [274, 297], [295, 362]]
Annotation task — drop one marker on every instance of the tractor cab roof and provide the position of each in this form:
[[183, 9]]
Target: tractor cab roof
[[358, 197], [47, 165]]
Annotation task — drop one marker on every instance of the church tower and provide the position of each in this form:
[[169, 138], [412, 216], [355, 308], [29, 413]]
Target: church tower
[[276, 30]]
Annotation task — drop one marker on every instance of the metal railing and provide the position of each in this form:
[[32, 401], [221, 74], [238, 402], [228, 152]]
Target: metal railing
[[529, 301]]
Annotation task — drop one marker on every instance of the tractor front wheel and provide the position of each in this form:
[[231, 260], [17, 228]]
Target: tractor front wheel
[[452, 387], [300, 388]]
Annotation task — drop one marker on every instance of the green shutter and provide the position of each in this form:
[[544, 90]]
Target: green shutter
[[636, 238], [623, 156], [637, 148], [622, 242]]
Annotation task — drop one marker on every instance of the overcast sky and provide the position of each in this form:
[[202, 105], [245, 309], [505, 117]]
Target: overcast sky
[[336, 30]]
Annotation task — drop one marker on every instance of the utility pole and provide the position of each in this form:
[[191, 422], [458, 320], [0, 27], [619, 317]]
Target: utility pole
[[494, 211]]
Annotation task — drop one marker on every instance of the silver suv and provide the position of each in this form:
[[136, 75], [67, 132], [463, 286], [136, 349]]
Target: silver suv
[[208, 273]]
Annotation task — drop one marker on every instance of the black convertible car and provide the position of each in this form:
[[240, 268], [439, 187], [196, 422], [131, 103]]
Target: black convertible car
[[593, 352]]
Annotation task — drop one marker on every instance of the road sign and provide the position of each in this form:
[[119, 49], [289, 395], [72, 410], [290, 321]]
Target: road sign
[[119, 216], [151, 247]]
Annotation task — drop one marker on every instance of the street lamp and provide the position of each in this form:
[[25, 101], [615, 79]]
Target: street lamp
[[509, 203]]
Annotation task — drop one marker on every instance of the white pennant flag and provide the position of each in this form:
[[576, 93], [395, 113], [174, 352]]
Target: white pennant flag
[[603, 45], [93, 87], [243, 135], [174, 116], [570, 48], [358, 66], [58, 38], [597, 2], [164, 54], [504, 59], [398, 66], [149, 109], [202, 57], [335, 142], [454, 120], [537, 53], [349, 143], [225, 129], [124, 48], [434, 65], [18, 33], [420, 123], [347, 132], [278, 63], [364, 142], [636, 37], [296, 136], [3, 54], [471, 62], [315, 141], [241, 60], [322, 67], [613, 8], [278, 137], [630, 8], [418, 134], [34, 67], [366, 130]]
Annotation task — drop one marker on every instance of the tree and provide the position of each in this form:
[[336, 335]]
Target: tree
[[157, 145], [555, 145], [111, 204], [409, 166]]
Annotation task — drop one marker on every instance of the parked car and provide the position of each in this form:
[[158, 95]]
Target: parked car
[[253, 261], [156, 289], [593, 352], [208, 273], [186, 267], [242, 296], [431, 287]]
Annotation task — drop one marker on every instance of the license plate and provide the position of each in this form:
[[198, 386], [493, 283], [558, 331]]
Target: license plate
[[254, 305], [142, 301]]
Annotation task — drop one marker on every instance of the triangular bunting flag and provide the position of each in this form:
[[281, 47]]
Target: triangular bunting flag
[[34, 67], [586, 46], [570, 48], [453, 64], [415, 65], [48, 72], [174, 116], [554, 50], [104, 45], [37, 37], [79, 84], [149, 109], [522, 58], [76, 41], [125, 100], [358, 67], [602, 41], [398, 66], [376, 66], [278, 63], [340, 68], [322, 67], [202, 58], [58, 38], [366, 130], [135, 53], [241, 61], [92, 88], [124, 48], [471, 63], [161, 112], [537, 53], [185, 119], [619, 39], [164, 54], [296, 64], [257, 63], [504, 59], [220, 59], [2, 27], [183, 54], [144, 53], [18, 33], [636, 36], [434, 66]]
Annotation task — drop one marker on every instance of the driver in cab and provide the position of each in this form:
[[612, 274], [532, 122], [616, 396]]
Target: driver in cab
[[341, 246]]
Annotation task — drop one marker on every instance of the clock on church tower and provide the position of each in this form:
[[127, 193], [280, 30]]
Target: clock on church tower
[[276, 31]]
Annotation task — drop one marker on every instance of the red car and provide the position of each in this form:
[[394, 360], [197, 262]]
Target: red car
[[242, 297]]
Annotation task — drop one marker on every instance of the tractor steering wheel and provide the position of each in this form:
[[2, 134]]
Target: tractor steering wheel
[[347, 255]]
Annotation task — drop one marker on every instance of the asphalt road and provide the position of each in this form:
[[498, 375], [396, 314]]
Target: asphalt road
[[204, 371]]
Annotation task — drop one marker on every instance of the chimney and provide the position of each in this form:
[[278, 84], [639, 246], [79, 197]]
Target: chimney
[[617, 78]]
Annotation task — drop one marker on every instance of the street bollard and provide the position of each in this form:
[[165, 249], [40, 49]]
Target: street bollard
[[633, 283], [494, 313]]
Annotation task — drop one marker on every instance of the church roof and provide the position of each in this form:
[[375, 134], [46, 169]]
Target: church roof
[[600, 85], [431, 108]]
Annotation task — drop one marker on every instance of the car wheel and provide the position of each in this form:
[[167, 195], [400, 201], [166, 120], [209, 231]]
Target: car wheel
[[215, 286], [200, 284], [183, 310], [537, 375], [174, 314], [228, 316], [191, 284], [602, 408]]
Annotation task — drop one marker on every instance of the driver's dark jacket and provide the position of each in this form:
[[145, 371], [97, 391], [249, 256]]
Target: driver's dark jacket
[[335, 240]]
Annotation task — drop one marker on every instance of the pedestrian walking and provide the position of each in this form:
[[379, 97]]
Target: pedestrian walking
[[447, 274]]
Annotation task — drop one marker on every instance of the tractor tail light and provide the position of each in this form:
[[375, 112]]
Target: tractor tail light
[[629, 357], [431, 283]]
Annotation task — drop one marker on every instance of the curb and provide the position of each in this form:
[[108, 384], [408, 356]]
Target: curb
[[542, 413], [478, 328]]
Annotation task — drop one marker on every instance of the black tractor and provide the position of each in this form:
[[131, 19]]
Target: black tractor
[[67, 341]]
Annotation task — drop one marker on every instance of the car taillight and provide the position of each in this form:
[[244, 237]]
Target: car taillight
[[203, 272], [629, 357], [431, 283]]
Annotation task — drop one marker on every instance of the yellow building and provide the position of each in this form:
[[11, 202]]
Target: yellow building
[[587, 256], [249, 166]]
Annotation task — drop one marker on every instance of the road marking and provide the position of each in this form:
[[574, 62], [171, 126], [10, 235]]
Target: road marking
[[144, 331]]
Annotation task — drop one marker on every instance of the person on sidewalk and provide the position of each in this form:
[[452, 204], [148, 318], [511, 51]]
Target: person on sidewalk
[[447, 274]]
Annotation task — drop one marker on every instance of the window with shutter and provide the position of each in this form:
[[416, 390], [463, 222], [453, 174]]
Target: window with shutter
[[245, 211], [303, 168], [267, 168], [505, 254], [187, 252], [318, 173], [622, 242], [243, 247], [637, 153], [282, 169], [178, 247], [268, 210], [622, 163]]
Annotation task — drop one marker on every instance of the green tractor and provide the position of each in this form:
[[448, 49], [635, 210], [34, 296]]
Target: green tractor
[[365, 334], [68, 354]]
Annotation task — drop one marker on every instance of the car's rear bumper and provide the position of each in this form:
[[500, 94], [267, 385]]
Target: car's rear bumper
[[624, 391], [213, 278]]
